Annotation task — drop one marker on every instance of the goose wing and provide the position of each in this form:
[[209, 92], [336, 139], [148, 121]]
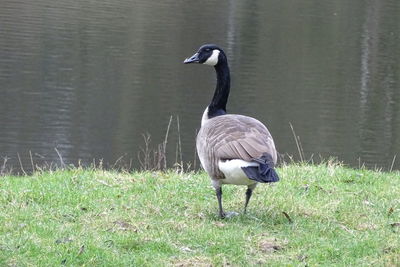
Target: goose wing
[[240, 137]]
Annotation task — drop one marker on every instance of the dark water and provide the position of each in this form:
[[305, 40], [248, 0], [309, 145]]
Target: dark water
[[90, 77]]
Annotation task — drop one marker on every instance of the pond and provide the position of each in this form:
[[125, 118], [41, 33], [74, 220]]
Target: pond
[[86, 81]]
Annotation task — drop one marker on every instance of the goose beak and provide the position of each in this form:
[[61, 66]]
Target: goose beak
[[192, 59]]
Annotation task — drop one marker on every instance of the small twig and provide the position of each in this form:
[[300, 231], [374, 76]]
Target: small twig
[[287, 217], [60, 157], [20, 163], [391, 167]]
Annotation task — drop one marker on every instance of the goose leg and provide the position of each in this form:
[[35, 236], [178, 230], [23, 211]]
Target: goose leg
[[249, 192], [218, 191]]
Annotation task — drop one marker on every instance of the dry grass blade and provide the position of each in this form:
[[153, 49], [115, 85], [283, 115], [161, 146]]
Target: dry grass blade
[[298, 143], [165, 143], [60, 157], [3, 167], [118, 160], [20, 163], [156, 159], [33, 165], [179, 144], [393, 161], [195, 153], [144, 153]]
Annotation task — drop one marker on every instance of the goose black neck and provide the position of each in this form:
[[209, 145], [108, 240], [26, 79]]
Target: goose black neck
[[221, 94]]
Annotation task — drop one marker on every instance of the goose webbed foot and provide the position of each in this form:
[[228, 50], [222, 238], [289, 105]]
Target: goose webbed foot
[[231, 214], [227, 215], [222, 213]]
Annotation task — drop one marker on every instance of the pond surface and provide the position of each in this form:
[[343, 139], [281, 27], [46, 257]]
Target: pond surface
[[84, 80]]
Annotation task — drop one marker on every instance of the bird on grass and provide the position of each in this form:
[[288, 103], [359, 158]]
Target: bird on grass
[[233, 149]]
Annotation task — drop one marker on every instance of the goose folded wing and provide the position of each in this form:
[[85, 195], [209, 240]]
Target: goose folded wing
[[245, 146]]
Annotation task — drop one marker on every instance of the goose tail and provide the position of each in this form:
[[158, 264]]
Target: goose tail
[[264, 172]]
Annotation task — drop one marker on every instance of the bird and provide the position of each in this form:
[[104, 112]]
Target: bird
[[233, 149]]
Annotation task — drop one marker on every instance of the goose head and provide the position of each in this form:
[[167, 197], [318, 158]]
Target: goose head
[[208, 54]]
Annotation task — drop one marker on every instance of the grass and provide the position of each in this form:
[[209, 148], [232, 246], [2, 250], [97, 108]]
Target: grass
[[323, 214]]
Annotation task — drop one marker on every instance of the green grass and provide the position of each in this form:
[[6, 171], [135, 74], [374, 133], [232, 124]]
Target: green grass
[[336, 217]]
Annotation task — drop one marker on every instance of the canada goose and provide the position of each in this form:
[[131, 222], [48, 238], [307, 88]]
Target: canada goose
[[233, 149]]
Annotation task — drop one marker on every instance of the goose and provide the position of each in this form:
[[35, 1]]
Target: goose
[[233, 149]]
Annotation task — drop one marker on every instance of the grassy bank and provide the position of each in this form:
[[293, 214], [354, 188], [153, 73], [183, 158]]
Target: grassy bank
[[323, 214]]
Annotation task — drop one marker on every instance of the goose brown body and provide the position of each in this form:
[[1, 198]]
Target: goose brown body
[[231, 136]]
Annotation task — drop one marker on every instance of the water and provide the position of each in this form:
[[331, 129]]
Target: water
[[89, 78]]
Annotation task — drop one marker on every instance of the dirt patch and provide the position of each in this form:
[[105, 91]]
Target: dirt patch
[[366, 226], [124, 226], [270, 245]]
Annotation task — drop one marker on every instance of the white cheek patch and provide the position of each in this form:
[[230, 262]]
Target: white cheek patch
[[213, 59]]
